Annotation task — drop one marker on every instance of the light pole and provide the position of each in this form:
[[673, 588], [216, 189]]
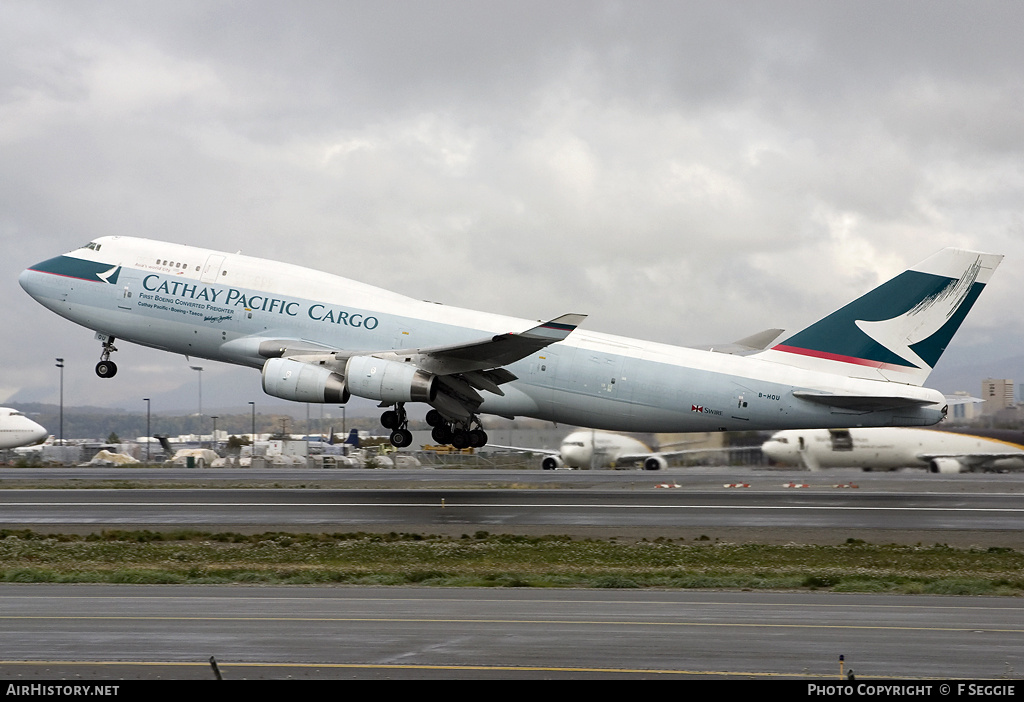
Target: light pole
[[252, 437], [148, 434], [60, 364], [199, 369], [213, 437]]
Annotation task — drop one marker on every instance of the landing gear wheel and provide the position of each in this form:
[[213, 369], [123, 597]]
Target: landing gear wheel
[[460, 439], [477, 438], [400, 438], [391, 420], [442, 434], [435, 419], [106, 369]]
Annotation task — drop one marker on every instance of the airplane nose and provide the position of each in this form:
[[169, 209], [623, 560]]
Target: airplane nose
[[28, 280], [572, 455], [40, 435]]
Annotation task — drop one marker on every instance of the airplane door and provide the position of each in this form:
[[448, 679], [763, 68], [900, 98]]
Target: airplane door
[[211, 271], [741, 400], [840, 439], [128, 285]]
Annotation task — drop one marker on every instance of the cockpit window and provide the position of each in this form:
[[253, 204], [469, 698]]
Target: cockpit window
[[92, 245]]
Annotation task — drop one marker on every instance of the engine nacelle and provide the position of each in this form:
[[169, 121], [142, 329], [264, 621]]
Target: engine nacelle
[[389, 381], [551, 463], [303, 382], [945, 465], [655, 463]]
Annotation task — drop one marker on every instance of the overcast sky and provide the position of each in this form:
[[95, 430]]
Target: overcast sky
[[686, 172]]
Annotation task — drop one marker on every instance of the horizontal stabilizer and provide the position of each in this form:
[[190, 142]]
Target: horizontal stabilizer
[[862, 403], [760, 340], [748, 344]]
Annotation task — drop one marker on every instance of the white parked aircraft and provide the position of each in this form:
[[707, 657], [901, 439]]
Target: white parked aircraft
[[590, 448], [317, 337], [18, 430], [890, 448]]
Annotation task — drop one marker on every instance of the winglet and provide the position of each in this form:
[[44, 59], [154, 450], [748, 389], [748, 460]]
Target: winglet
[[898, 330], [555, 330]]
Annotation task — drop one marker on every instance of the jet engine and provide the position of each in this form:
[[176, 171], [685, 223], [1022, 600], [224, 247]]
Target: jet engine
[[303, 382], [389, 381], [945, 465], [655, 463], [551, 463]]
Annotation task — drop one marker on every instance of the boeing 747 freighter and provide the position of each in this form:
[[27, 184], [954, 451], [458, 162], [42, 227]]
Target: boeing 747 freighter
[[318, 337]]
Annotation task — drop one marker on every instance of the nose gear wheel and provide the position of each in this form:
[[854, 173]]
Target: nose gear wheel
[[107, 368]]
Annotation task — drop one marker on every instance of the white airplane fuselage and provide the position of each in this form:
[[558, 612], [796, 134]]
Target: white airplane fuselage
[[598, 449], [225, 307], [18, 430], [890, 448]]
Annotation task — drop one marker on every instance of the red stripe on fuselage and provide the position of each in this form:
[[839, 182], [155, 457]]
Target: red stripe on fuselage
[[853, 360]]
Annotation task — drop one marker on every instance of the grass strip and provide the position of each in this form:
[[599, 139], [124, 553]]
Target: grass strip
[[483, 559]]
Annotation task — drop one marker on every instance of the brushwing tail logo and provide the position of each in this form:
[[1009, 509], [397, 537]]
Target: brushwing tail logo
[[899, 330], [924, 320], [110, 276]]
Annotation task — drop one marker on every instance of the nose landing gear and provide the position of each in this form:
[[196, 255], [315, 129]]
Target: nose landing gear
[[107, 368]]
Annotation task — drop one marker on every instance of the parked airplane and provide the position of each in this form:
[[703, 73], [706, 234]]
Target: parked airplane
[[18, 430], [321, 338], [889, 448], [590, 448]]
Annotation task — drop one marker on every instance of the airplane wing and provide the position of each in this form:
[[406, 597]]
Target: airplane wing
[[660, 458], [462, 370], [971, 460], [523, 449], [491, 352]]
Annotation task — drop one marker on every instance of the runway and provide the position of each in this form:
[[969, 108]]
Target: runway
[[88, 632], [131, 632], [823, 508]]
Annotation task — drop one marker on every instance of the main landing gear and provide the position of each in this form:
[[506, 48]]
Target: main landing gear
[[107, 368], [460, 436]]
